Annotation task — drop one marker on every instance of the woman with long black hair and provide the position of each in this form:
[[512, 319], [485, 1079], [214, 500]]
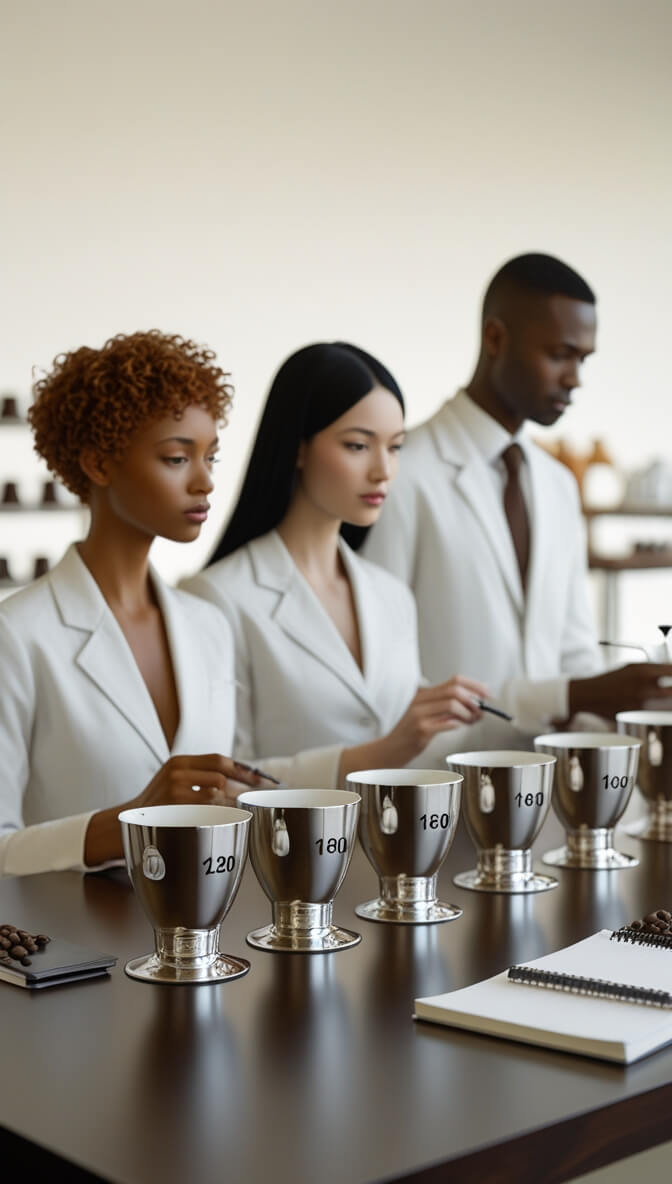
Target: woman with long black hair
[[326, 642]]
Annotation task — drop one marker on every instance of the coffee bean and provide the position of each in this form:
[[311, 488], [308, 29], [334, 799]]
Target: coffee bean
[[17, 944]]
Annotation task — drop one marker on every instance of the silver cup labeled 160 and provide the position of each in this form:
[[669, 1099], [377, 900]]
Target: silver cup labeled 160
[[407, 823], [654, 778], [594, 778], [506, 796], [301, 844], [185, 864]]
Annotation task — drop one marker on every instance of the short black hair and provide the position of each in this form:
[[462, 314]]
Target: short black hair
[[537, 273]]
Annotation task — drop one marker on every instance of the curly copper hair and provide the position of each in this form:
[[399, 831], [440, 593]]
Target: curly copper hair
[[99, 398]]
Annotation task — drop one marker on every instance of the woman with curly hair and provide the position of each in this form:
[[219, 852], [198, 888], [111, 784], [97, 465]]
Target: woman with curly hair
[[326, 642], [112, 680]]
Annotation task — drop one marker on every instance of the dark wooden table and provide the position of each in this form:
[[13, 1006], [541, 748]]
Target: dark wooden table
[[310, 1069]]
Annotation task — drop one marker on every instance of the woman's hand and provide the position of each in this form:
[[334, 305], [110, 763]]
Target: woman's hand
[[183, 780], [433, 709], [211, 780], [440, 708]]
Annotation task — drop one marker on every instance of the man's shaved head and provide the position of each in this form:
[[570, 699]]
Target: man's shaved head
[[520, 282], [538, 328]]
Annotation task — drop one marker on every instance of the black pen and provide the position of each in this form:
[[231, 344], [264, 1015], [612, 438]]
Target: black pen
[[259, 772], [494, 710]]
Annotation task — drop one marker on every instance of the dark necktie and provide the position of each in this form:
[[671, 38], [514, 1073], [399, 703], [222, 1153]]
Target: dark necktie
[[515, 508]]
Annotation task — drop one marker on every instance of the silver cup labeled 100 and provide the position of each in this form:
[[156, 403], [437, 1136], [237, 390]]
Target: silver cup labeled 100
[[301, 844], [594, 778], [185, 864], [654, 779], [407, 823], [506, 796]]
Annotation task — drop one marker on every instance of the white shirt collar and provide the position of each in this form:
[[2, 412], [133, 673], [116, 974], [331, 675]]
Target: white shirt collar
[[489, 437]]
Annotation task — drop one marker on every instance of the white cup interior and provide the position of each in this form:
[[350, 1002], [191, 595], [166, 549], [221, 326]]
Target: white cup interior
[[298, 799], [587, 740], [184, 816], [394, 778], [655, 719], [499, 760]]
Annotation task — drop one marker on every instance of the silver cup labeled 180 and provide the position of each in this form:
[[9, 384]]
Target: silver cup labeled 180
[[594, 778], [506, 796], [407, 823], [301, 844], [654, 779], [185, 864]]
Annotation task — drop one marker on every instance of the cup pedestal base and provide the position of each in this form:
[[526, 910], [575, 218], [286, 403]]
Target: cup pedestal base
[[186, 956], [302, 929], [503, 870], [590, 849], [150, 970], [408, 900], [656, 824]]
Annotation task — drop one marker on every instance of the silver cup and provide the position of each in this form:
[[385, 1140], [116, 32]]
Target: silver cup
[[185, 864], [506, 797], [301, 845], [594, 778], [406, 826], [654, 730]]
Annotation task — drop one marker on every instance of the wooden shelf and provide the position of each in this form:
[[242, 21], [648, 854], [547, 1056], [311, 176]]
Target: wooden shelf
[[638, 561], [629, 511], [49, 508]]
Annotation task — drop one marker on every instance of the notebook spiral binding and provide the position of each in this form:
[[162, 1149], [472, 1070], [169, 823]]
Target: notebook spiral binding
[[590, 986], [641, 938]]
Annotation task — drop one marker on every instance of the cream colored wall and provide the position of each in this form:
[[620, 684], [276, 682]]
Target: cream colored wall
[[265, 174]]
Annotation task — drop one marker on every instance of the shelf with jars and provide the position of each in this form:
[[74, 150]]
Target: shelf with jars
[[28, 497], [612, 502]]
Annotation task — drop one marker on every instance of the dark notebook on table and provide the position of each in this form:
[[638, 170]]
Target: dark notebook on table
[[57, 963]]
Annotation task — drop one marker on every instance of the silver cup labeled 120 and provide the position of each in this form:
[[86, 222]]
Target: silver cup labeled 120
[[505, 798], [185, 864], [594, 778], [653, 729], [301, 844], [406, 826]]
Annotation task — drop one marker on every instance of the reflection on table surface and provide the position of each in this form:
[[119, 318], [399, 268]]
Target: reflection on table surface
[[311, 1067]]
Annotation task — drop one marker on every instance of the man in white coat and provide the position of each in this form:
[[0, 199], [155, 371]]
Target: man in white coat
[[486, 527]]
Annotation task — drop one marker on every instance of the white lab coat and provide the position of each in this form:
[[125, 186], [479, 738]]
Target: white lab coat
[[443, 530], [299, 686], [78, 729]]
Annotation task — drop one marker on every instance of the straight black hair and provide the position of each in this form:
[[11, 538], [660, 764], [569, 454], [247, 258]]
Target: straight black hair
[[313, 388]]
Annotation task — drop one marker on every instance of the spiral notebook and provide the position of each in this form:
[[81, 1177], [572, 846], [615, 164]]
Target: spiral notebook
[[609, 996]]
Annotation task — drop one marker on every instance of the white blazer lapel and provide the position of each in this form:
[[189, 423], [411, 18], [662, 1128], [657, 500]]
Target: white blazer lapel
[[190, 666], [544, 539], [374, 639], [477, 488], [105, 656], [301, 616]]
